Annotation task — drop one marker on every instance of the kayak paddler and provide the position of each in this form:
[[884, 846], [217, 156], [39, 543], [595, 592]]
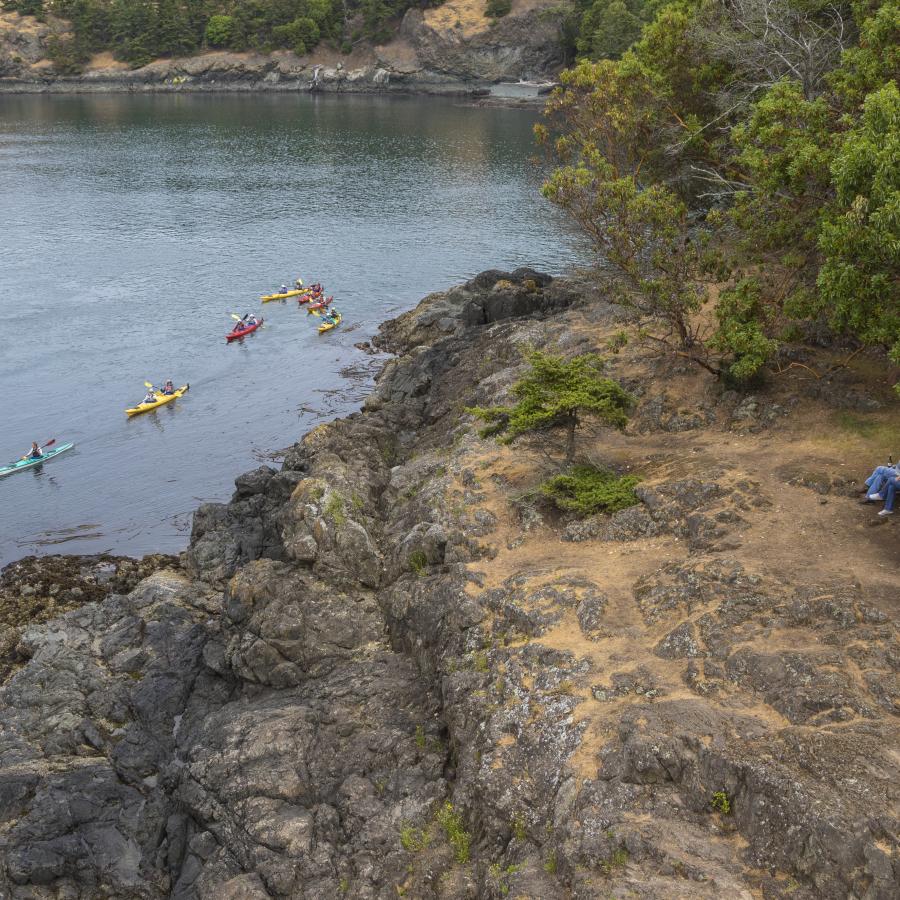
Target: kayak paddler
[[150, 398], [298, 283], [169, 387], [35, 452], [284, 289], [252, 320]]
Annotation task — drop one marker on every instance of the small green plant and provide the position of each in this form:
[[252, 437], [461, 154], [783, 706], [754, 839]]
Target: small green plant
[[565, 687], [420, 737], [335, 509], [414, 840], [459, 838], [550, 864], [618, 860], [501, 876], [344, 885], [418, 562], [721, 803], [480, 662], [357, 502], [496, 9], [518, 827], [617, 341], [585, 490]]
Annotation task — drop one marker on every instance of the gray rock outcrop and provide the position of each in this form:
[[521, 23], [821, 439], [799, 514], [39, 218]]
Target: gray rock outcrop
[[363, 684]]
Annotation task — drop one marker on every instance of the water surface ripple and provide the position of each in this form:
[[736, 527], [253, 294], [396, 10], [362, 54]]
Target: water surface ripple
[[130, 227]]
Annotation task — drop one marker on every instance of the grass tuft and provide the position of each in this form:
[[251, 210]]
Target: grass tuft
[[460, 839], [418, 562]]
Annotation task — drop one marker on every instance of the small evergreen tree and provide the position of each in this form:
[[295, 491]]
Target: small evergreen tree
[[558, 393]]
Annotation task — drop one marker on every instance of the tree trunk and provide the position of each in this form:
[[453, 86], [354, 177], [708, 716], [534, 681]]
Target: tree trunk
[[571, 425]]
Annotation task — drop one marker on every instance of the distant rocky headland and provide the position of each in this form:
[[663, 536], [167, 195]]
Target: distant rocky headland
[[450, 49], [388, 669]]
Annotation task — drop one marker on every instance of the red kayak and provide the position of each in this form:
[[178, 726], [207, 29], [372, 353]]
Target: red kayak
[[307, 297], [242, 332], [321, 304]]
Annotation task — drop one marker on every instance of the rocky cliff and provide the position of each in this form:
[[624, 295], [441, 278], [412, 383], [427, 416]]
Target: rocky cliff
[[453, 48], [383, 671]]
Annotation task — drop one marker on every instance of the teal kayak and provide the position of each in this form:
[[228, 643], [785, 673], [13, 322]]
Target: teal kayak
[[29, 463]]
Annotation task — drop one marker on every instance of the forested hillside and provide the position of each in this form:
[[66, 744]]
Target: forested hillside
[[738, 169], [137, 32]]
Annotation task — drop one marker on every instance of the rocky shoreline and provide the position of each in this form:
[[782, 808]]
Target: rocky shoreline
[[378, 672], [453, 50]]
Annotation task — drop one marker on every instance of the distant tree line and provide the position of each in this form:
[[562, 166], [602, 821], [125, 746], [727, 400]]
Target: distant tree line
[[138, 31]]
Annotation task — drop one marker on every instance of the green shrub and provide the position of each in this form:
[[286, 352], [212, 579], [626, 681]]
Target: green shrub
[[414, 840], [66, 55], [459, 838], [335, 508], [721, 803], [585, 490], [418, 562], [496, 9], [219, 31], [302, 34]]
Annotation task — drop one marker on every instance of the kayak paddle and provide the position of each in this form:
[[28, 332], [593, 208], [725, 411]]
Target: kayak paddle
[[44, 447]]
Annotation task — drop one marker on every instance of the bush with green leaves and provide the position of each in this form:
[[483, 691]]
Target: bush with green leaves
[[713, 150], [454, 830], [496, 9], [219, 31], [586, 490], [558, 393]]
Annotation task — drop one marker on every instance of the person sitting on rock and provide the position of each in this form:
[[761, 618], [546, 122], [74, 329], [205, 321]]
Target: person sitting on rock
[[876, 482], [890, 495], [888, 483]]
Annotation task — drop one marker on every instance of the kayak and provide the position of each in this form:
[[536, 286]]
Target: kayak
[[330, 323], [267, 297], [320, 304], [234, 335], [22, 464], [308, 296], [161, 400]]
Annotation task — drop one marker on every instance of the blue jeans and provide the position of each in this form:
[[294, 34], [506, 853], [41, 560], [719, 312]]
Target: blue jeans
[[890, 492], [877, 480]]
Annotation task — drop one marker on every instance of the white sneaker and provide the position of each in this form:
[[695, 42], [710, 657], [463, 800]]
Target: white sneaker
[[875, 497], [886, 512]]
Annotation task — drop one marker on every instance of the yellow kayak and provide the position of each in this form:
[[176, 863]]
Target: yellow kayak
[[327, 326], [161, 400], [295, 293]]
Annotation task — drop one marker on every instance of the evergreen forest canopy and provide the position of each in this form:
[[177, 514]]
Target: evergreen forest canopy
[[138, 31], [737, 167]]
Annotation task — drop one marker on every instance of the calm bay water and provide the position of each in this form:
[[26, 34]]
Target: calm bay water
[[130, 227]]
